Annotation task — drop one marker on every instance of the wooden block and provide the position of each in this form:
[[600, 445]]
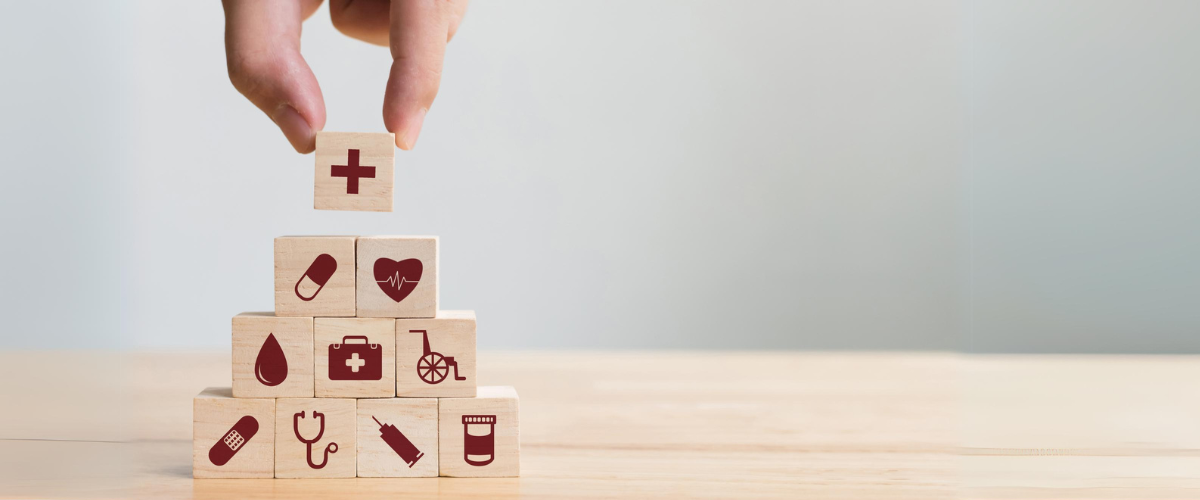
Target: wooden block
[[397, 276], [272, 356], [435, 371], [398, 437], [330, 431], [354, 171], [480, 436], [314, 276], [232, 437], [355, 357]]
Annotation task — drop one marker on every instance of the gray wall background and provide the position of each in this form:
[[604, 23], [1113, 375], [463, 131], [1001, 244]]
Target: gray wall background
[[989, 176]]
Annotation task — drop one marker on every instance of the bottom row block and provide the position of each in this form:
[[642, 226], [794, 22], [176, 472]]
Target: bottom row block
[[330, 437]]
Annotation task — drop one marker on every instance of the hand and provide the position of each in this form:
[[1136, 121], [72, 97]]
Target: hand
[[262, 49]]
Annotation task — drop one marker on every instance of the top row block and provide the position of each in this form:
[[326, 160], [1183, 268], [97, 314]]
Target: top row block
[[367, 277], [354, 171]]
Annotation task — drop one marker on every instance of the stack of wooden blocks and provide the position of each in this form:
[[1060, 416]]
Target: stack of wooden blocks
[[357, 372]]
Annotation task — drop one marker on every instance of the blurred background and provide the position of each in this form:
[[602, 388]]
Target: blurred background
[[987, 176]]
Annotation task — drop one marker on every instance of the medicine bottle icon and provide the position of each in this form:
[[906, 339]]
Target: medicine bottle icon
[[479, 439]]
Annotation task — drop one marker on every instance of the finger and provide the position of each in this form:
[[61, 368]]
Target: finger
[[366, 20], [262, 50], [418, 34], [457, 11], [369, 20]]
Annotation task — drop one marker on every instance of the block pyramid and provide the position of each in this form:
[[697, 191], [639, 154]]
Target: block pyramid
[[356, 373]]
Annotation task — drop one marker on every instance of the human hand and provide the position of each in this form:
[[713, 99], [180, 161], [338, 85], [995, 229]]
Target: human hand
[[262, 50]]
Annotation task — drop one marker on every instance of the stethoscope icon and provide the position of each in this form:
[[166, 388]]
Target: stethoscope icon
[[332, 448]]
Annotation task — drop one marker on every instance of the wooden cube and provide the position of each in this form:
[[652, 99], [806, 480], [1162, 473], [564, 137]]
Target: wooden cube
[[272, 356], [314, 276], [354, 171], [397, 276], [328, 426], [435, 358], [232, 437], [398, 437], [480, 436], [354, 357]]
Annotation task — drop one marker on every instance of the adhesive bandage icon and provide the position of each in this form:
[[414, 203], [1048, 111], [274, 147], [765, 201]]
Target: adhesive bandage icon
[[233, 440]]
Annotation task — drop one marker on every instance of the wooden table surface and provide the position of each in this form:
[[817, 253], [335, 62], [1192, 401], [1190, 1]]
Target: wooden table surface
[[668, 425]]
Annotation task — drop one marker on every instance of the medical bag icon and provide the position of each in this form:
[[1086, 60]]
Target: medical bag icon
[[355, 361]]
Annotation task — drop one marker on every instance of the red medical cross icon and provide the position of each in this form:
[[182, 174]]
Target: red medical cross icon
[[352, 172]]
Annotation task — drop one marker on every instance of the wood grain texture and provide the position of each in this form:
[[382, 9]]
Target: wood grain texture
[[1080, 427], [374, 149], [295, 337], [292, 455], [293, 257], [422, 301], [451, 334], [601, 425], [415, 418], [493, 417], [215, 411], [379, 332]]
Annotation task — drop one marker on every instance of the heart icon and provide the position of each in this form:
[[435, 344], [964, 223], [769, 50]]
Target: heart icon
[[397, 279]]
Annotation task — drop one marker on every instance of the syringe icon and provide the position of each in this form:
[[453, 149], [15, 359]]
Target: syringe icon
[[400, 444]]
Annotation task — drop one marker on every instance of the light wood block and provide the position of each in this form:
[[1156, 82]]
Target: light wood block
[[408, 448], [259, 341], [314, 276], [354, 171], [451, 356], [332, 451], [397, 276], [492, 424], [232, 437], [359, 368]]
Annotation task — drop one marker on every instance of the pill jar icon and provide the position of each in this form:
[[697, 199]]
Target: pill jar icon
[[479, 439], [314, 279]]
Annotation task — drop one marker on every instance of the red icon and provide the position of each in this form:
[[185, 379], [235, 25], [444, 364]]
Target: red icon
[[271, 365], [399, 443], [316, 276], [397, 279], [355, 361], [479, 439], [237, 437], [352, 171], [331, 448], [433, 367]]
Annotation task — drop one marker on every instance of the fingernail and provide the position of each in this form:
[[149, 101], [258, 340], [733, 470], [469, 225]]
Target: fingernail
[[297, 131], [408, 139]]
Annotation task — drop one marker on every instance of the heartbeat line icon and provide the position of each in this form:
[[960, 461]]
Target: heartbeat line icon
[[396, 281]]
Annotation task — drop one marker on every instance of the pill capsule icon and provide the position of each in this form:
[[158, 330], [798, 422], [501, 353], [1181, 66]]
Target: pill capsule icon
[[314, 279]]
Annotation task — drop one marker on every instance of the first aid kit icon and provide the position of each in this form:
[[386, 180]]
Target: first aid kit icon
[[355, 361]]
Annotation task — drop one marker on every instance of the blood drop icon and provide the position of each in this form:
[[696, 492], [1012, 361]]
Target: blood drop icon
[[271, 366]]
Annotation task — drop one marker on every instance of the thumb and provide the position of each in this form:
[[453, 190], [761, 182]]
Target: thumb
[[418, 34]]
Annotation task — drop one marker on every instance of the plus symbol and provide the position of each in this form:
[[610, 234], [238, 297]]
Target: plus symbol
[[355, 362], [352, 172]]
